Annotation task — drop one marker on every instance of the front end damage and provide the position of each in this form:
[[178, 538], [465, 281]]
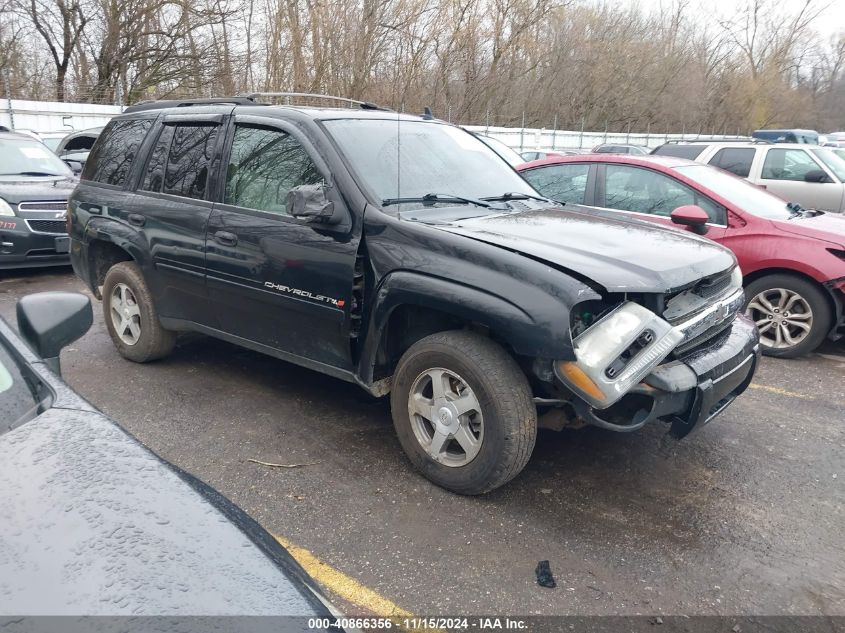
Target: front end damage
[[682, 363]]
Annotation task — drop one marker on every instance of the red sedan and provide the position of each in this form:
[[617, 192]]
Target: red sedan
[[793, 261]]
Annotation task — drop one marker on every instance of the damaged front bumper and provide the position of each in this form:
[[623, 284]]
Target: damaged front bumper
[[689, 391]]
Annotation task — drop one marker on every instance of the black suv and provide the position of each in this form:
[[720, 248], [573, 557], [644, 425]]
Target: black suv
[[34, 187], [402, 254]]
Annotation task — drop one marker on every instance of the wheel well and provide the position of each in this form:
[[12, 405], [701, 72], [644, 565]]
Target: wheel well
[[104, 255], [408, 324]]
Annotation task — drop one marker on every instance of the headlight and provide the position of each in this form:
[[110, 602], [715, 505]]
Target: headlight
[[736, 277], [5, 209], [616, 353]]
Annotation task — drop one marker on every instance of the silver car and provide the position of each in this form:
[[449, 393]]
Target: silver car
[[810, 175]]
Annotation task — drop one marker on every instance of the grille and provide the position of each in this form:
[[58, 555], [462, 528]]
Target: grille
[[703, 337], [712, 286], [47, 226], [683, 305], [60, 205]]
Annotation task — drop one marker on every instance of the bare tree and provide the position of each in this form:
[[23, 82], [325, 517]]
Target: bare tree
[[60, 24]]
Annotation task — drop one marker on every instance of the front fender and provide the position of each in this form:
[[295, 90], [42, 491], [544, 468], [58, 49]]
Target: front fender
[[527, 333]]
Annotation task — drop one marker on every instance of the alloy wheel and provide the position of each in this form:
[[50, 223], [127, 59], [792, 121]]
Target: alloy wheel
[[783, 317], [446, 417], [125, 314]]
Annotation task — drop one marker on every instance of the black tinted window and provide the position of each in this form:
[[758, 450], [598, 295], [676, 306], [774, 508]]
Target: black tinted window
[[188, 161], [264, 165], [564, 183], [736, 160], [690, 152], [112, 156], [154, 172]]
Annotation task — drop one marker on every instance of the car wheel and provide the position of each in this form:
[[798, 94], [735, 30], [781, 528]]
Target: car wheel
[[131, 317], [792, 315], [463, 411]]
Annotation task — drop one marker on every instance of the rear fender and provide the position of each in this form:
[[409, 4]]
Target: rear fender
[[107, 230]]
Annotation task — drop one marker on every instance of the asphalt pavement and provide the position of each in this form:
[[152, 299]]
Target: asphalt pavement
[[745, 516]]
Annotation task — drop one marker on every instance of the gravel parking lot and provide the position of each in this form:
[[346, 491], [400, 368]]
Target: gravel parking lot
[[744, 517]]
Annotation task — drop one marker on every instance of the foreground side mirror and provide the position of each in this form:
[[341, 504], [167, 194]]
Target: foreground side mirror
[[49, 321], [816, 175], [691, 216], [311, 203]]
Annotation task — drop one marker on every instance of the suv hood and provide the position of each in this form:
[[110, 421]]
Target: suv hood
[[621, 254], [829, 227], [15, 189]]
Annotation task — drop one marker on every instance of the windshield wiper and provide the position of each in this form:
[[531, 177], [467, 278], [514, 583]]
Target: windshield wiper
[[795, 210], [510, 195], [431, 198]]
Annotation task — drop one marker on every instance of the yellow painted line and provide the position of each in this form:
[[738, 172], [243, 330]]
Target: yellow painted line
[[781, 392], [344, 586]]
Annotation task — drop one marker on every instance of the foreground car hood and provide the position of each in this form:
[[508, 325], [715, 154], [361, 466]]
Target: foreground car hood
[[22, 188], [95, 524], [829, 227], [620, 254]]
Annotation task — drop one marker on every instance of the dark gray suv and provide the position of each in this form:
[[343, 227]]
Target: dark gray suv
[[34, 188]]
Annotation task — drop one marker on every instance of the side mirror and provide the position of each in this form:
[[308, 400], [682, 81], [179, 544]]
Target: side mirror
[[691, 216], [75, 165], [816, 175], [49, 321], [310, 202]]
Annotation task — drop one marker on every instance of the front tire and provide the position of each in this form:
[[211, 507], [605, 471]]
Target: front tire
[[463, 411], [131, 317], [792, 314]]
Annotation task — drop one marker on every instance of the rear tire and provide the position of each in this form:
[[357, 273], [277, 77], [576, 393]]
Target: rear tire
[[792, 314], [131, 317], [480, 432]]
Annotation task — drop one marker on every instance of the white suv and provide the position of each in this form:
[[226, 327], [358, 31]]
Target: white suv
[[810, 175]]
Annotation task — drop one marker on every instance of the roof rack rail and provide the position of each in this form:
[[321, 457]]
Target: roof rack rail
[[677, 141], [158, 104], [364, 105]]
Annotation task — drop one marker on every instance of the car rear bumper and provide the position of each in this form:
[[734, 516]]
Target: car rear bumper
[[22, 247], [690, 391]]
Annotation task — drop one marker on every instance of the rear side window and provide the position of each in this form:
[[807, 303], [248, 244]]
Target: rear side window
[[690, 152], [154, 172], [180, 160], [736, 160], [191, 151], [115, 150], [564, 183]]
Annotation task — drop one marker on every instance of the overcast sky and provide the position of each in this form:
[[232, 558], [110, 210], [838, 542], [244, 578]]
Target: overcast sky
[[830, 22]]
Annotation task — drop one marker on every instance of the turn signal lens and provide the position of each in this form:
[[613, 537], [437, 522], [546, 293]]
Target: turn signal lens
[[580, 380]]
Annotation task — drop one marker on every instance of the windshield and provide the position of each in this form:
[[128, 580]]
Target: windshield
[[29, 158], [502, 150], [738, 192], [410, 159], [833, 161]]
